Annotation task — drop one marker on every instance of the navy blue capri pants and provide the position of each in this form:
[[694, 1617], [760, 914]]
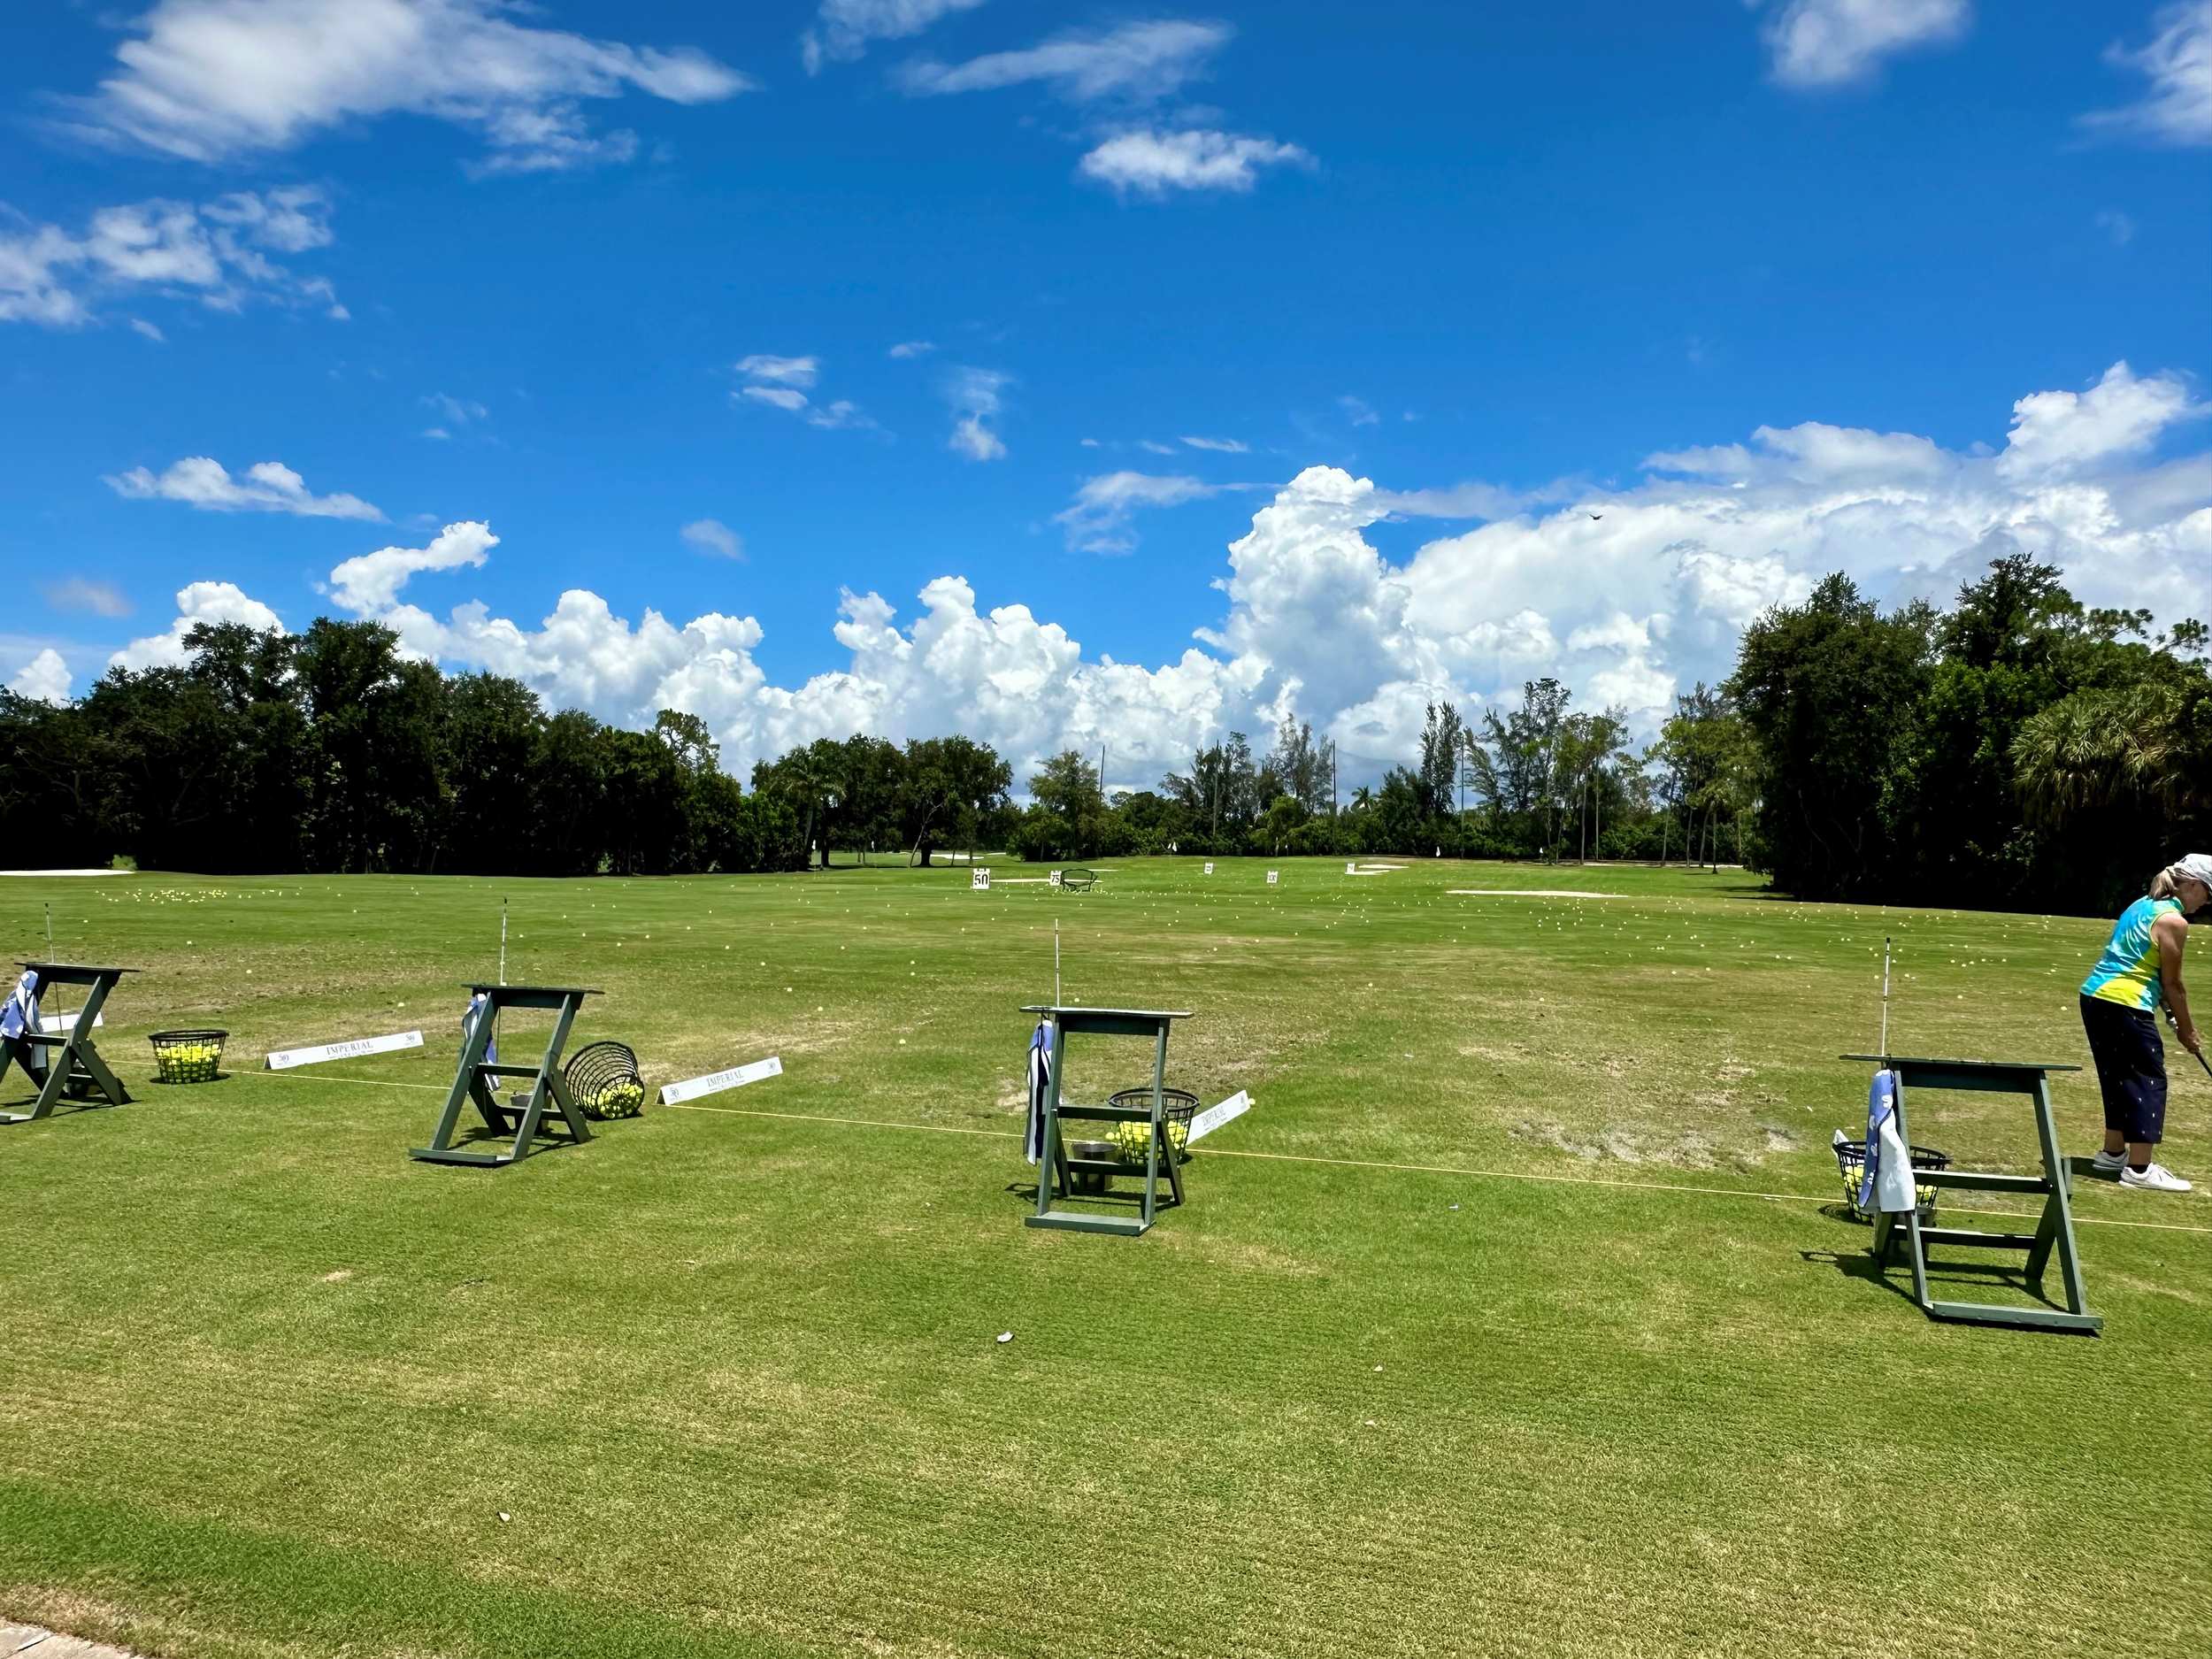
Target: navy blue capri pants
[[2131, 1068]]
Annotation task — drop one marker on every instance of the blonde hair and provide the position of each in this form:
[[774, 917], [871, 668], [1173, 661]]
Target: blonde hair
[[2166, 883]]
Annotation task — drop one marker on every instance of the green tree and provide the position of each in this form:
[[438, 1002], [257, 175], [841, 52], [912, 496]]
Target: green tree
[[1829, 689]]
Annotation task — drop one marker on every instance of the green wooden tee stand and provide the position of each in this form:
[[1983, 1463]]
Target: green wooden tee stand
[[2054, 1234], [1055, 1176], [74, 1063], [476, 1080]]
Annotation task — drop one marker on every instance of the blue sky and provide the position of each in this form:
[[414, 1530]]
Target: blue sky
[[1475, 310]]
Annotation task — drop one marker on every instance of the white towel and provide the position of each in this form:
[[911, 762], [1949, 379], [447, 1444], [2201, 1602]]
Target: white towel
[[20, 1015], [1888, 1185], [480, 1008], [1039, 1085]]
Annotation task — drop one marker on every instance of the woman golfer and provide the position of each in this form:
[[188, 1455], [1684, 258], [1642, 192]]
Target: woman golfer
[[2140, 970]]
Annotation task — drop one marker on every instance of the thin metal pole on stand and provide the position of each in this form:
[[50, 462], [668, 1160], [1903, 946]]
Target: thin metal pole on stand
[[1885, 1046], [1056, 961], [50, 957]]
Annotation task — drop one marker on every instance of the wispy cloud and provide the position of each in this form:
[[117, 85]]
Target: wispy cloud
[[1474, 499], [213, 79], [458, 412], [1140, 62], [2176, 109], [1359, 410], [1097, 520], [845, 28], [765, 368], [777, 382], [1834, 43], [218, 252], [265, 487], [1226, 446], [913, 349], [79, 592], [2117, 226], [974, 394], [711, 535], [1154, 162]]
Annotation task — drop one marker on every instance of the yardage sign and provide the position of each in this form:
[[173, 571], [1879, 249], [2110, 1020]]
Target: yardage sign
[[978, 880], [736, 1077], [285, 1059], [1351, 870], [1271, 878], [1214, 1117], [1209, 870], [1055, 877]]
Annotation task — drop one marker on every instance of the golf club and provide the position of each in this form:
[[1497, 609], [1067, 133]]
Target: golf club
[[2201, 1061]]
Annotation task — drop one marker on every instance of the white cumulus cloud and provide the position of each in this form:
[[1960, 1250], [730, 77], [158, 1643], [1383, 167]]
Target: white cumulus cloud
[[370, 582], [45, 678], [196, 603], [1832, 43], [2057, 434], [201, 482], [1627, 597], [213, 79]]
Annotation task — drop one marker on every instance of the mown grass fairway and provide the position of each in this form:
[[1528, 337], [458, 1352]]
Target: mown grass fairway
[[270, 1386]]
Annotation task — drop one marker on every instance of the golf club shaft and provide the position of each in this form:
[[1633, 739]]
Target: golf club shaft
[[2176, 1023]]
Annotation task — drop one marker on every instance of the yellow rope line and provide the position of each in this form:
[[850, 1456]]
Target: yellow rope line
[[1348, 1164]]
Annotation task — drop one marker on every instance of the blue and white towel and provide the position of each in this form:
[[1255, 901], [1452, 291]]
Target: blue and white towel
[[480, 1008], [1040, 1086], [1888, 1185], [18, 1017]]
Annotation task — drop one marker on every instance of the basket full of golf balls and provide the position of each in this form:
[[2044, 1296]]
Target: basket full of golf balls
[[1176, 1107], [189, 1056], [1851, 1165]]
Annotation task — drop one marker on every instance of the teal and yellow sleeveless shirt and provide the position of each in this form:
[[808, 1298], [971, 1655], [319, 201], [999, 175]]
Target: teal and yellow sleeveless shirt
[[2127, 974]]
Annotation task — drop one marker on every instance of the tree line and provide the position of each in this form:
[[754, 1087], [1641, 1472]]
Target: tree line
[[330, 750], [2015, 750]]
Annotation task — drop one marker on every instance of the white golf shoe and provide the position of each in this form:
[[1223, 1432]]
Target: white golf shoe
[[2156, 1177]]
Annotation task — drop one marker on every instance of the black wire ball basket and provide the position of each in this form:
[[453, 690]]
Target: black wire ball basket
[[189, 1056], [603, 1080], [1176, 1107], [1851, 1165]]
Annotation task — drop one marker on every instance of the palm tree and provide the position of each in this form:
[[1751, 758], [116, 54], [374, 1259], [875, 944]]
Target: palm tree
[[2100, 747]]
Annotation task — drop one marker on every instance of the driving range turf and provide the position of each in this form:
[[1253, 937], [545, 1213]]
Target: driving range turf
[[1518, 1317]]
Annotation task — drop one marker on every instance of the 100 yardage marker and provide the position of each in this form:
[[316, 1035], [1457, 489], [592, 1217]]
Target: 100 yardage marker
[[285, 1059], [714, 1082]]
